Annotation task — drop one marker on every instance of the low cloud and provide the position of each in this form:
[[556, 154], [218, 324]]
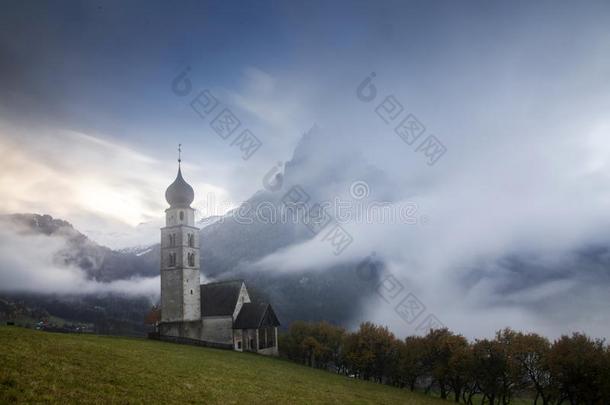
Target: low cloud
[[30, 264], [479, 214]]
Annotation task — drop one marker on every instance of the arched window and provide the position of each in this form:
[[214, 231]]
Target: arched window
[[191, 239], [181, 215], [191, 259], [172, 259], [172, 240]]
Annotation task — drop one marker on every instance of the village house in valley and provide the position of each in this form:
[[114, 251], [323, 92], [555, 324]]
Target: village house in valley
[[220, 314]]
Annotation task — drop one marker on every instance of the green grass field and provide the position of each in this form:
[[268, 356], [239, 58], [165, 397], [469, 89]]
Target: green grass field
[[48, 367]]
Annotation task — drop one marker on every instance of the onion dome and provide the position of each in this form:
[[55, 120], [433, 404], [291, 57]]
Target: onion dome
[[179, 194]]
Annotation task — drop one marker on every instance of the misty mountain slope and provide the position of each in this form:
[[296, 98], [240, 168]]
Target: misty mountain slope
[[49, 269], [98, 262], [233, 241]]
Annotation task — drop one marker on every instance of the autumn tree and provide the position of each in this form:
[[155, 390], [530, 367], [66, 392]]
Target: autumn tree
[[490, 366], [605, 377], [315, 344], [578, 364], [331, 338], [459, 364], [574, 368], [311, 350], [291, 342], [410, 361], [531, 355], [370, 351], [442, 349]]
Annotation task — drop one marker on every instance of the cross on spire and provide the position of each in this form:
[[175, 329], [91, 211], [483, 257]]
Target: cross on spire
[[179, 153]]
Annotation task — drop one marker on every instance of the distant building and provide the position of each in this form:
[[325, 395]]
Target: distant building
[[218, 314]]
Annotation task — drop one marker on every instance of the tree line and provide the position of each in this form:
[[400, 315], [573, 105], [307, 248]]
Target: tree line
[[570, 370]]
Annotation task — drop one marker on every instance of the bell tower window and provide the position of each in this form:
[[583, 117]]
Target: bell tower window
[[172, 260], [181, 215], [191, 259], [191, 239]]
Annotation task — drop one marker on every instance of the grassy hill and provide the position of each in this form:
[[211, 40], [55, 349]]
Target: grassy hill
[[42, 367]]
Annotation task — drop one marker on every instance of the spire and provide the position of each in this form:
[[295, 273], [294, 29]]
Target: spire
[[179, 155]]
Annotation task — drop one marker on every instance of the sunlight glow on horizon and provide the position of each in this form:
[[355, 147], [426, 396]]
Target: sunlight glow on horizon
[[103, 188]]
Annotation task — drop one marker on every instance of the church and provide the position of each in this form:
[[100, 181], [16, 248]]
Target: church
[[220, 314]]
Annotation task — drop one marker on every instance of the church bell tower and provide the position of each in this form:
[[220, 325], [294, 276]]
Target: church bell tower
[[180, 284]]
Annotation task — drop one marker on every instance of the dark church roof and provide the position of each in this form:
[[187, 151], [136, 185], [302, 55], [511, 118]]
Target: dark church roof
[[220, 299], [255, 315]]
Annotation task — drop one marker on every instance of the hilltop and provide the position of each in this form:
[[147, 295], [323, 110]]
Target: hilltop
[[50, 367]]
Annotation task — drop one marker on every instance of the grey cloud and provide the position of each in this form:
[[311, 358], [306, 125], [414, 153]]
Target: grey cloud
[[32, 263]]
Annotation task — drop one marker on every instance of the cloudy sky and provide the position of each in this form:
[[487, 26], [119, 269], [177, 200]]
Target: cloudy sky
[[518, 93]]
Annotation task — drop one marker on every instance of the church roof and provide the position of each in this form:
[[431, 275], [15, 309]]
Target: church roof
[[179, 194], [255, 315], [220, 299]]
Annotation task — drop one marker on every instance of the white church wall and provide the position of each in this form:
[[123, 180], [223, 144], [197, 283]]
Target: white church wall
[[191, 293], [173, 217], [217, 329], [171, 299]]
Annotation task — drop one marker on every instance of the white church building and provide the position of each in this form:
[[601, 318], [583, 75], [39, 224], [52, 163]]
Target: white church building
[[220, 314]]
